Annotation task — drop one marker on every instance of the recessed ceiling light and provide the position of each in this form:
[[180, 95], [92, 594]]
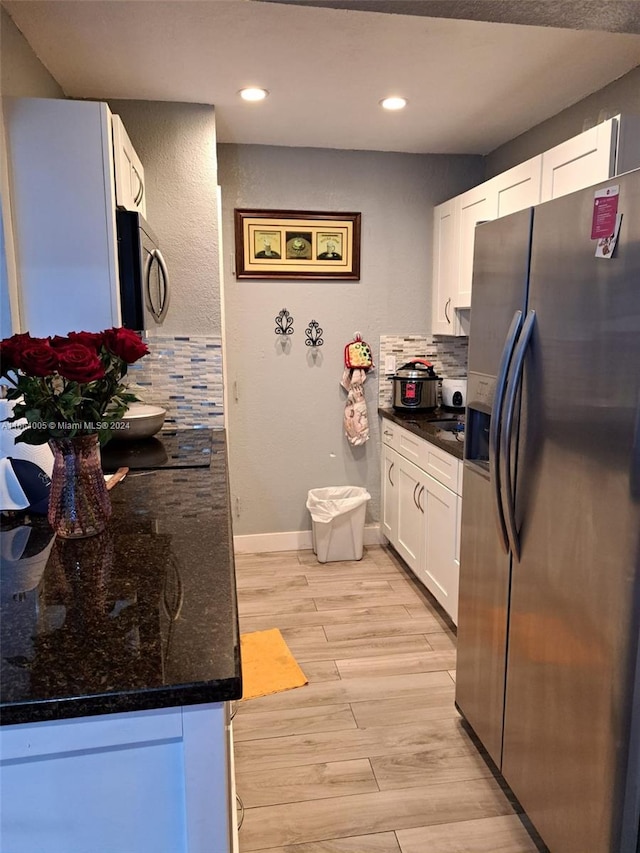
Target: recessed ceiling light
[[252, 93], [393, 103]]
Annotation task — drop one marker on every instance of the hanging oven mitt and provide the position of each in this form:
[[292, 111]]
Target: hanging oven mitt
[[357, 354], [356, 423]]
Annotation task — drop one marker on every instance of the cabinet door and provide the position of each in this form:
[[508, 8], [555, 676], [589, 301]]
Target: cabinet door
[[445, 267], [441, 566], [130, 189], [63, 214], [518, 188], [389, 493], [580, 162], [476, 205], [410, 516], [164, 772]]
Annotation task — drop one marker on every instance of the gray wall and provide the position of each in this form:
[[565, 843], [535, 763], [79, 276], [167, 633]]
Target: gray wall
[[286, 433], [177, 145], [21, 72], [621, 96]]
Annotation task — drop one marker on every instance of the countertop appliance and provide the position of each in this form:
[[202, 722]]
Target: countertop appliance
[[415, 386], [144, 277], [548, 672], [454, 394]]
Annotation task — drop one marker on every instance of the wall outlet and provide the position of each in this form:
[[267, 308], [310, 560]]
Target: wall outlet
[[389, 364]]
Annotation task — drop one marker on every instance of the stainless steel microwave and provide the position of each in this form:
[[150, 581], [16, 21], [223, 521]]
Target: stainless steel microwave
[[144, 278]]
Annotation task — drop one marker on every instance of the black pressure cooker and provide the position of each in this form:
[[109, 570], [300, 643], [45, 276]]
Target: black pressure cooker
[[415, 386]]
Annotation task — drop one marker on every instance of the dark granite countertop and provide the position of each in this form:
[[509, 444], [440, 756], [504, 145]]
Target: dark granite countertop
[[425, 425], [177, 448], [143, 616]]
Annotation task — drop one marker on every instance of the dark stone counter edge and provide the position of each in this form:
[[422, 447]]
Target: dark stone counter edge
[[425, 427], [146, 700]]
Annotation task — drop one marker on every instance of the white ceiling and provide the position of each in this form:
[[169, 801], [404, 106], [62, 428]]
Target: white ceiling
[[471, 85]]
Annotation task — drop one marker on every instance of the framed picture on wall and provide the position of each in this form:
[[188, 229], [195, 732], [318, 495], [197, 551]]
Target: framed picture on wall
[[297, 244]]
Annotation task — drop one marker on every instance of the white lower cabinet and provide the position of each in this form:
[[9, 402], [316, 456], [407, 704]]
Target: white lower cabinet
[[158, 781], [410, 518], [389, 494], [421, 515], [440, 566]]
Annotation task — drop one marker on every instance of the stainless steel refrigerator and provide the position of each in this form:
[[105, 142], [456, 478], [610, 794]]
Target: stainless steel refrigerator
[[550, 553]]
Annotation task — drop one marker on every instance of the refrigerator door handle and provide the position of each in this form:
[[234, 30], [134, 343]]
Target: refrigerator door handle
[[507, 432], [494, 429]]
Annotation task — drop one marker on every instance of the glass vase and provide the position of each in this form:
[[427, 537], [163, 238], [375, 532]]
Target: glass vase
[[79, 503]]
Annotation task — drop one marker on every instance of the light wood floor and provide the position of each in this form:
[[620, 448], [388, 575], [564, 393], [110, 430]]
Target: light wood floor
[[371, 755]]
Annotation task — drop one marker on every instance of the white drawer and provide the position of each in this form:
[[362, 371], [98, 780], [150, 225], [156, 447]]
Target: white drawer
[[100, 732], [442, 466], [389, 433], [409, 445]]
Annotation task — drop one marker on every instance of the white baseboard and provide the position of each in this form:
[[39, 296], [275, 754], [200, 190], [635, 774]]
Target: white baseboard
[[293, 540]]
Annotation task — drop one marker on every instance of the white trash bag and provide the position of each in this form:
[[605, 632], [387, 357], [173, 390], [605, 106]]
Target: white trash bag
[[327, 504], [337, 515]]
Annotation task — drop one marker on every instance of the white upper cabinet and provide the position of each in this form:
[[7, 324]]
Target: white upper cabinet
[[579, 162], [62, 200], [454, 236], [130, 188], [506, 193], [445, 267], [608, 149], [476, 205], [518, 188]]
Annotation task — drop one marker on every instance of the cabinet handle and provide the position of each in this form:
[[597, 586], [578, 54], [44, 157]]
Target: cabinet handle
[[388, 432], [446, 313], [420, 507], [138, 198], [389, 473], [415, 489], [240, 810]]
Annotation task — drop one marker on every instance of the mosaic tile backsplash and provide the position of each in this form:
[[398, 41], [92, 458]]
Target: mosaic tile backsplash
[[448, 355], [184, 375]]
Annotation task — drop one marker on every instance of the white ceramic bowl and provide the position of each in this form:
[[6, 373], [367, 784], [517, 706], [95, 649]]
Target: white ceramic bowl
[[142, 421]]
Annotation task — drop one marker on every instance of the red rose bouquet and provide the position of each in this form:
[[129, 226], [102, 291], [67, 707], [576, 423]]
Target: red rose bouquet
[[69, 386]]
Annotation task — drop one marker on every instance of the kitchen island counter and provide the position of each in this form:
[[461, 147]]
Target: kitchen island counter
[[143, 616], [425, 425], [119, 655]]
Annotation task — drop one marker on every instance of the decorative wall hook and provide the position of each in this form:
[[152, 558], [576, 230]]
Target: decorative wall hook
[[284, 323], [313, 333]]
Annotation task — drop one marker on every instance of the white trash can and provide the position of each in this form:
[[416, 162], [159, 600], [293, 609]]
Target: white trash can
[[337, 522]]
